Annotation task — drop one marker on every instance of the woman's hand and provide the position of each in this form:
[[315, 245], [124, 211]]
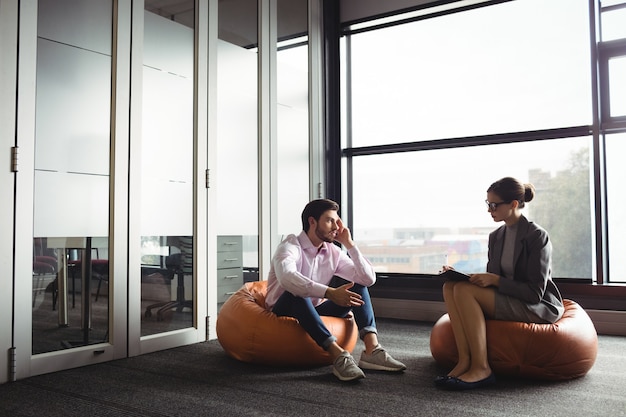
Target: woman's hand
[[485, 279]]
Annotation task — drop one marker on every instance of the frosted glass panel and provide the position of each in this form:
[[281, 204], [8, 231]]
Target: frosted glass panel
[[167, 127], [167, 162], [79, 23], [71, 179], [71, 204], [293, 136], [167, 140], [163, 203], [237, 141], [168, 46], [73, 107]]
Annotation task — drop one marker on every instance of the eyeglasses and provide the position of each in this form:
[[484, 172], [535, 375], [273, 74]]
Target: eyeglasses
[[494, 206]]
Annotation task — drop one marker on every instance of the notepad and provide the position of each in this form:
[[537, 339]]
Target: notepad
[[452, 275]]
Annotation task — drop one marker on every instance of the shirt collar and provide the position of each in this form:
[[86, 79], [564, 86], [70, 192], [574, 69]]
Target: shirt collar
[[307, 245]]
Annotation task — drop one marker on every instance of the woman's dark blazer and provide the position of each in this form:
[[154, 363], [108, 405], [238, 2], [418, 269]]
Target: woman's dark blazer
[[532, 281]]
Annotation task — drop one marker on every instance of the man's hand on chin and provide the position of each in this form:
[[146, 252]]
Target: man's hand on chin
[[344, 236]]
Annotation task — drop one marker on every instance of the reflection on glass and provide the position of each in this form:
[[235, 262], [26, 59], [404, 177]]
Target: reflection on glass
[[70, 292], [71, 198], [617, 86], [237, 165], [166, 283], [431, 219], [167, 155], [616, 201]]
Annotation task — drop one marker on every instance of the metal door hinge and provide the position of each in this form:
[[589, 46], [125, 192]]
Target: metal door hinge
[[207, 178], [14, 159], [207, 332], [12, 364]]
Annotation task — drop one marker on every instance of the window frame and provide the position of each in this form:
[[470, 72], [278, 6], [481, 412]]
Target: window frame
[[601, 294], [606, 52]]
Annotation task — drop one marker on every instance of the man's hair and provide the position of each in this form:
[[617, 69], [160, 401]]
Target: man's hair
[[315, 209]]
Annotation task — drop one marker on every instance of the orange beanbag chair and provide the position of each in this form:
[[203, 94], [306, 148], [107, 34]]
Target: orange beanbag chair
[[250, 333], [564, 350]]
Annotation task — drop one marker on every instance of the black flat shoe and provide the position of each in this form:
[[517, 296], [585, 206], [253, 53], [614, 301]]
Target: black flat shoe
[[440, 380], [456, 384]]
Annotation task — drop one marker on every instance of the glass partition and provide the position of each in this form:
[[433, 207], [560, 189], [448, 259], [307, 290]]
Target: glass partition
[[167, 166], [236, 176], [72, 175], [292, 72]]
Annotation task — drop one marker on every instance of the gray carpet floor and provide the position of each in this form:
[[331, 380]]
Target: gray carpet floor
[[200, 380]]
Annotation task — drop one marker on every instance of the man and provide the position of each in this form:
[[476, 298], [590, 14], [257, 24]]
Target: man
[[298, 286]]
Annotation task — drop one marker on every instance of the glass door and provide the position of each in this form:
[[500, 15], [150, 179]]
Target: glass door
[[64, 276], [72, 177], [107, 199], [163, 240]]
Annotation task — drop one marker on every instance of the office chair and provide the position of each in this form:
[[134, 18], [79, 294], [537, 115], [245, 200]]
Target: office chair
[[175, 266]]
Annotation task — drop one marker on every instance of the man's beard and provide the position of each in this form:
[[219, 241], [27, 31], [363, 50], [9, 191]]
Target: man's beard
[[325, 237]]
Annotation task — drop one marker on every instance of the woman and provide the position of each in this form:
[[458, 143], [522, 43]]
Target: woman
[[516, 287]]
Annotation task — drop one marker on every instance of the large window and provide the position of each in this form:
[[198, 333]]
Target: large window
[[613, 15], [415, 211], [612, 63], [472, 73], [438, 108], [612, 57]]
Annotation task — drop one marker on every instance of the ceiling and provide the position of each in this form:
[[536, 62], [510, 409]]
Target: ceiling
[[237, 18]]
